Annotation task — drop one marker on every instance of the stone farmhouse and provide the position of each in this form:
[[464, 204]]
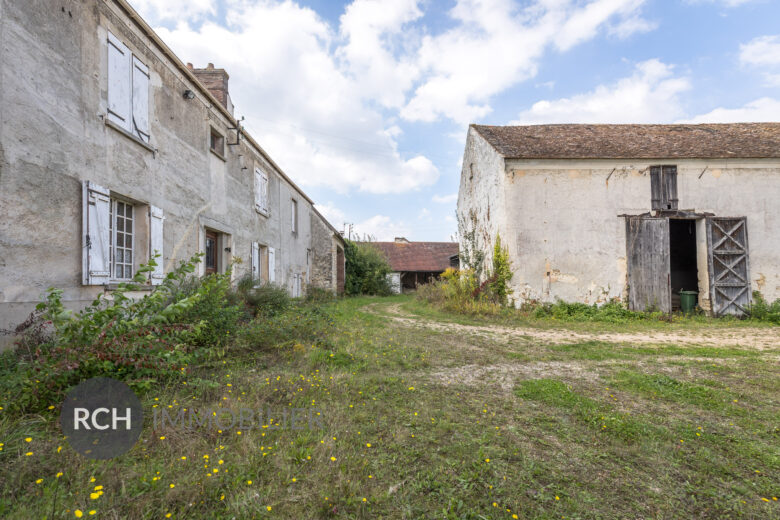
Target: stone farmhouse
[[592, 213], [111, 149]]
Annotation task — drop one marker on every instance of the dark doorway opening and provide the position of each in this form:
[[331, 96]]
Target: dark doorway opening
[[211, 253], [684, 274]]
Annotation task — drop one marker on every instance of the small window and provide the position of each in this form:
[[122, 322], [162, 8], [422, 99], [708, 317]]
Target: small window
[[294, 216], [217, 143], [663, 187], [211, 253], [121, 239]]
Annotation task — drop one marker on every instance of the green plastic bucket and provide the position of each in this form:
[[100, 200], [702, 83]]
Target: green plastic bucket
[[688, 300]]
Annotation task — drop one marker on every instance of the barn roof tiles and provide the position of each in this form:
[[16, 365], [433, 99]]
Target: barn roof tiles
[[704, 141], [418, 256]]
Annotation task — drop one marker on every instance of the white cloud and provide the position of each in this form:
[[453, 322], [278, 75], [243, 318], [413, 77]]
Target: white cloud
[[374, 33], [649, 95], [764, 50], [159, 10], [326, 101], [757, 111], [445, 199], [496, 44], [725, 3], [763, 53], [313, 117], [332, 214], [381, 228]]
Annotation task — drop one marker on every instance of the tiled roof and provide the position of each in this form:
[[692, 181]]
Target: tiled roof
[[706, 141], [418, 256]]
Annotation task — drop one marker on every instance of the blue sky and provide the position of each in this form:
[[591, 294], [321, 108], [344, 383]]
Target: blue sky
[[366, 104]]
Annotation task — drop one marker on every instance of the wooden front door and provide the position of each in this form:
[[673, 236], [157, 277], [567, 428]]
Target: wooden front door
[[727, 242], [211, 252], [647, 254]]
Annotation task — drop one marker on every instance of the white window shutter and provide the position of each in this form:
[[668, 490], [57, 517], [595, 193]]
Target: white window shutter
[[271, 264], [140, 126], [119, 80], [96, 215], [261, 190], [264, 191], [255, 261], [156, 219], [258, 198]]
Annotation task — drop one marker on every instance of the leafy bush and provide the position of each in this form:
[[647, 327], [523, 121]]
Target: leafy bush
[[139, 340], [262, 299], [463, 291], [366, 269], [762, 310], [318, 295], [459, 291]]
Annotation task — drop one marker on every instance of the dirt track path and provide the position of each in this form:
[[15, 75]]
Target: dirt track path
[[756, 338]]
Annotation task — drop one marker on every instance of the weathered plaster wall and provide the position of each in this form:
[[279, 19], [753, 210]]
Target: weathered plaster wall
[[481, 196], [53, 136], [567, 241]]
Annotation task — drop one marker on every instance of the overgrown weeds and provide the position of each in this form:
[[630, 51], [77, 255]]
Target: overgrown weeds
[[149, 341]]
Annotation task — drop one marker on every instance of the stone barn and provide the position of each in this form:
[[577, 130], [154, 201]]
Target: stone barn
[[593, 213], [415, 263]]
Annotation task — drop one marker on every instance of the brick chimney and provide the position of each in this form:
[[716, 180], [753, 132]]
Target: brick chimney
[[216, 81]]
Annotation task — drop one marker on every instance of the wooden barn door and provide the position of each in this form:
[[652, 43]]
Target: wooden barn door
[[647, 246], [728, 262]]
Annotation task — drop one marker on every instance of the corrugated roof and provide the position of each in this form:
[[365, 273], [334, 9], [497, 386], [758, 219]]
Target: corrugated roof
[[418, 256], [705, 141]]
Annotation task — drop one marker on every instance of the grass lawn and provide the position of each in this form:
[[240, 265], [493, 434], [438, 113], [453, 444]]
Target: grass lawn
[[424, 415]]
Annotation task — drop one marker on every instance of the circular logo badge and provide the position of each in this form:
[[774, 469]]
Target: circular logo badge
[[101, 418]]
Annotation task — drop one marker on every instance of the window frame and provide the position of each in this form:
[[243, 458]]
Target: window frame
[[211, 234], [213, 132], [112, 234]]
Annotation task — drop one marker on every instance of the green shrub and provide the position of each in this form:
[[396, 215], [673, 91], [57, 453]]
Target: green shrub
[[761, 310], [613, 312], [299, 324], [262, 298], [460, 292], [366, 269], [142, 341], [318, 295], [501, 274]]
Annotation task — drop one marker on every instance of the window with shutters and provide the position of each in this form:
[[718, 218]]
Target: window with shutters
[[128, 90], [119, 235], [261, 191], [663, 187]]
